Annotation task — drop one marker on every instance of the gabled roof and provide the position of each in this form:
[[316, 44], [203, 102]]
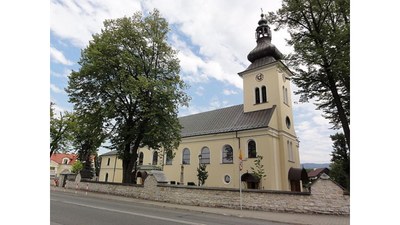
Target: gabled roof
[[224, 120], [317, 172], [58, 157], [110, 153]]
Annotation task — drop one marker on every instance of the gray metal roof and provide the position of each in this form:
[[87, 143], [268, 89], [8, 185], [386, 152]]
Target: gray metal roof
[[221, 121], [110, 153], [224, 120]]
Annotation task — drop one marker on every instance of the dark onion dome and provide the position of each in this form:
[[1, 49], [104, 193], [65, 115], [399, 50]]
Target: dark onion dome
[[264, 52]]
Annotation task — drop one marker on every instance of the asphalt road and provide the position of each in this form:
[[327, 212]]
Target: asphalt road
[[70, 209]]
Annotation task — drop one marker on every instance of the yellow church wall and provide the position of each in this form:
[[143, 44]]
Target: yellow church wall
[[275, 77], [113, 169], [265, 143]]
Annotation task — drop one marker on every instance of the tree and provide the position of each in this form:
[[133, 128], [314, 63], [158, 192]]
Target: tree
[[87, 135], [320, 35], [77, 166], [59, 131], [132, 73], [202, 174], [258, 170], [340, 166]]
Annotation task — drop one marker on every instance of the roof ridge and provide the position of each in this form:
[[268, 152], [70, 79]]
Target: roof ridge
[[213, 110]]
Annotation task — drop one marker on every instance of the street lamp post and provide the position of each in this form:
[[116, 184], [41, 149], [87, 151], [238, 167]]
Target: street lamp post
[[198, 175]]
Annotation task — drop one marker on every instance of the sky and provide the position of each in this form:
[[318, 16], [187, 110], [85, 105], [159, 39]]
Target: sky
[[213, 39]]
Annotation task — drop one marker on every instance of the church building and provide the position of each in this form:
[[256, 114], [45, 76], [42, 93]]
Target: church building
[[261, 126]]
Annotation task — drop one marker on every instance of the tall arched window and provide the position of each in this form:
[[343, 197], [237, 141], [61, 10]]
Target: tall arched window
[[257, 93], [205, 156], [106, 178], [108, 161], [286, 96], [290, 151], [264, 94], [155, 158], [186, 156], [251, 149], [227, 154], [283, 93], [141, 156], [169, 157]]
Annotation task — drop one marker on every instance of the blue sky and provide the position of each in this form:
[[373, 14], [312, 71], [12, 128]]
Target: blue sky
[[213, 39]]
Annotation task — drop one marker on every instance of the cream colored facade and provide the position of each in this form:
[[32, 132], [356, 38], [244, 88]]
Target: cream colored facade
[[57, 168], [277, 142]]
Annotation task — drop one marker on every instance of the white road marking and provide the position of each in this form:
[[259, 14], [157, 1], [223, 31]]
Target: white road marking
[[132, 213]]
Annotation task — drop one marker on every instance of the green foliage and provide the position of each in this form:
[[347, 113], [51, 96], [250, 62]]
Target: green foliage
[[340, 166], [258, 170], [77, 166], [320, 35], [202, 174], [129, 76], [60, 127], [87, 132]]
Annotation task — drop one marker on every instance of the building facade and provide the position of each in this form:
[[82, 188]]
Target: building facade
[[261, 126], [61, 163]]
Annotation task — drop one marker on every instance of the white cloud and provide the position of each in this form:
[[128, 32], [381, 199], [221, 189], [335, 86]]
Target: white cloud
[[56, 89], [200, 91], [229, 92], [58, 56], [77, 20], [64, 74]]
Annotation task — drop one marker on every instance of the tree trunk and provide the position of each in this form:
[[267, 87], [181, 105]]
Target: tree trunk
[[339, 107]]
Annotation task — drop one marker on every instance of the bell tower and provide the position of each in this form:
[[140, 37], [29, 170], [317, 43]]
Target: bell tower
[[266, 81]]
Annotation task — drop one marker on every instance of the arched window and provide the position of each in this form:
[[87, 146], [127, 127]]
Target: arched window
[[65, 161], [257, 93], [205, 156], [252, 150], [169, 157], [186, 156], [141, 156], [155, 158], [264, 93], [290, 151], [283, 93], [286, 96], [108, 161], [106, 178], [227, 154]]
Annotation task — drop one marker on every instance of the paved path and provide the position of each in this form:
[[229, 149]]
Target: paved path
[[293, 218]]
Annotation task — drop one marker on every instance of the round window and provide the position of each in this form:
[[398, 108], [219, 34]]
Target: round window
[[227, 179], [287, 122]]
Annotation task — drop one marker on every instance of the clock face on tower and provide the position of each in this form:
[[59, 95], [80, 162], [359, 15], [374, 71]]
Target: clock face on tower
[[259, 77]]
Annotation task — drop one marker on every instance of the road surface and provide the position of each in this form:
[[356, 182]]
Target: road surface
[[67, 208]]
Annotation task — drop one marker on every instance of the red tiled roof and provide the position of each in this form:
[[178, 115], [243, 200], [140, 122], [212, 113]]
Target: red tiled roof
[[58, 157], [317, 172]]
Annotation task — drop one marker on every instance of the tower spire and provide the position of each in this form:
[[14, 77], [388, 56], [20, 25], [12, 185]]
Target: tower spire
[[264, 52], [263, 29]]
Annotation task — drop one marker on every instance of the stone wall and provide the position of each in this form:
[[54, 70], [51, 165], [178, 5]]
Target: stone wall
[[325, 198]]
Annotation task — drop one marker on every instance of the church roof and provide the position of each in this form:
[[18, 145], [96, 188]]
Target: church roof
[[224, 120]]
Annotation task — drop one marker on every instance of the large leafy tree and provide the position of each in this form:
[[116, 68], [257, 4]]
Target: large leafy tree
[[87, 135], [340, 166], [130, 70], [60, 135], [320, 35]]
